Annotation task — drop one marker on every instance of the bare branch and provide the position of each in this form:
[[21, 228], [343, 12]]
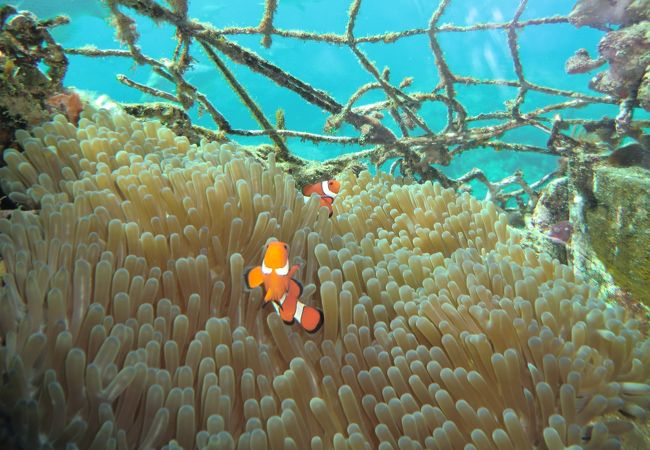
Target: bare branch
[[266, 25], [514, 52], [317, 138], [418, 146], [248, 101], [146, 89]]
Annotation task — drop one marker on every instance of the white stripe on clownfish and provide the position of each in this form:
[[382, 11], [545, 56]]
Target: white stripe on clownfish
[[299, 307], [280, 271], [298, 314], [326, 189], [279, 303]]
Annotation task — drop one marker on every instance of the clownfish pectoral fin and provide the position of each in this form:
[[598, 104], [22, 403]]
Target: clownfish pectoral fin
[[254, 277], [310, 318]]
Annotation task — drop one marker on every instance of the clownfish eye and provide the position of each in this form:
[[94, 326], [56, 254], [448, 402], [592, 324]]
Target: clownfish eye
[[266, 270], [283, 270], [286, 247]]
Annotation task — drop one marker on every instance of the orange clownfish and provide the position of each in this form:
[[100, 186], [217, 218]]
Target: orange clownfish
[[327, 191], [282, 291]]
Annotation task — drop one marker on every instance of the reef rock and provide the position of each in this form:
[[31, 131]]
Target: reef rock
[[618, 226]]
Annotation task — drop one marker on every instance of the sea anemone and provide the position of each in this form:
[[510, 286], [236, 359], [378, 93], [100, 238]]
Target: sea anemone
[[125, 322]]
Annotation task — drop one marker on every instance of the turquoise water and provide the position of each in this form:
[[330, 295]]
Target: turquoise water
[[334, 69]]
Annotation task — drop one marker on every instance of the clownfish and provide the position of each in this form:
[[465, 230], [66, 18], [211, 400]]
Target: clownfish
[[283, 291], [327, 191]]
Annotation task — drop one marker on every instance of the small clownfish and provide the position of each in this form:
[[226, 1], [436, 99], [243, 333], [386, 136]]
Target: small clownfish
[[327, 191], [282, 291]]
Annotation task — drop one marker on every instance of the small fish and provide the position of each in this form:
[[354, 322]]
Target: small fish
[[283, 291], [327, 191], [629, 156], [560, 232]]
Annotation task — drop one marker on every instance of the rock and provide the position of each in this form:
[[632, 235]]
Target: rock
[[618, 226]]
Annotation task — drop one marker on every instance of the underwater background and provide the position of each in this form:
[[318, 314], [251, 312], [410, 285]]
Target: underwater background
[[544, 50], [164, 285]]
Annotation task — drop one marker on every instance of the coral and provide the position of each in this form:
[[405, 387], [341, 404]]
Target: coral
[[643, 94], [628, 53], [25, 43], [69, 102], [125, 322], [600, 13], [627, 50], [581, 62]]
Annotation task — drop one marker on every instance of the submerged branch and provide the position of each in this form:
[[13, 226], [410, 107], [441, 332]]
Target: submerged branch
[[413, 153], [248, 101], [147, 89], [303, 135]]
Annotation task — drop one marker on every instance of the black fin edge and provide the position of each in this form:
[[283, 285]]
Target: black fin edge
[[320, 322], [299, 285], [246, 272]]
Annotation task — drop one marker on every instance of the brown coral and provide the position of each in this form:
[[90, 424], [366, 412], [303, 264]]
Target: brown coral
[[125, 323], [628, 53], [25, 47], [69, 102]]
